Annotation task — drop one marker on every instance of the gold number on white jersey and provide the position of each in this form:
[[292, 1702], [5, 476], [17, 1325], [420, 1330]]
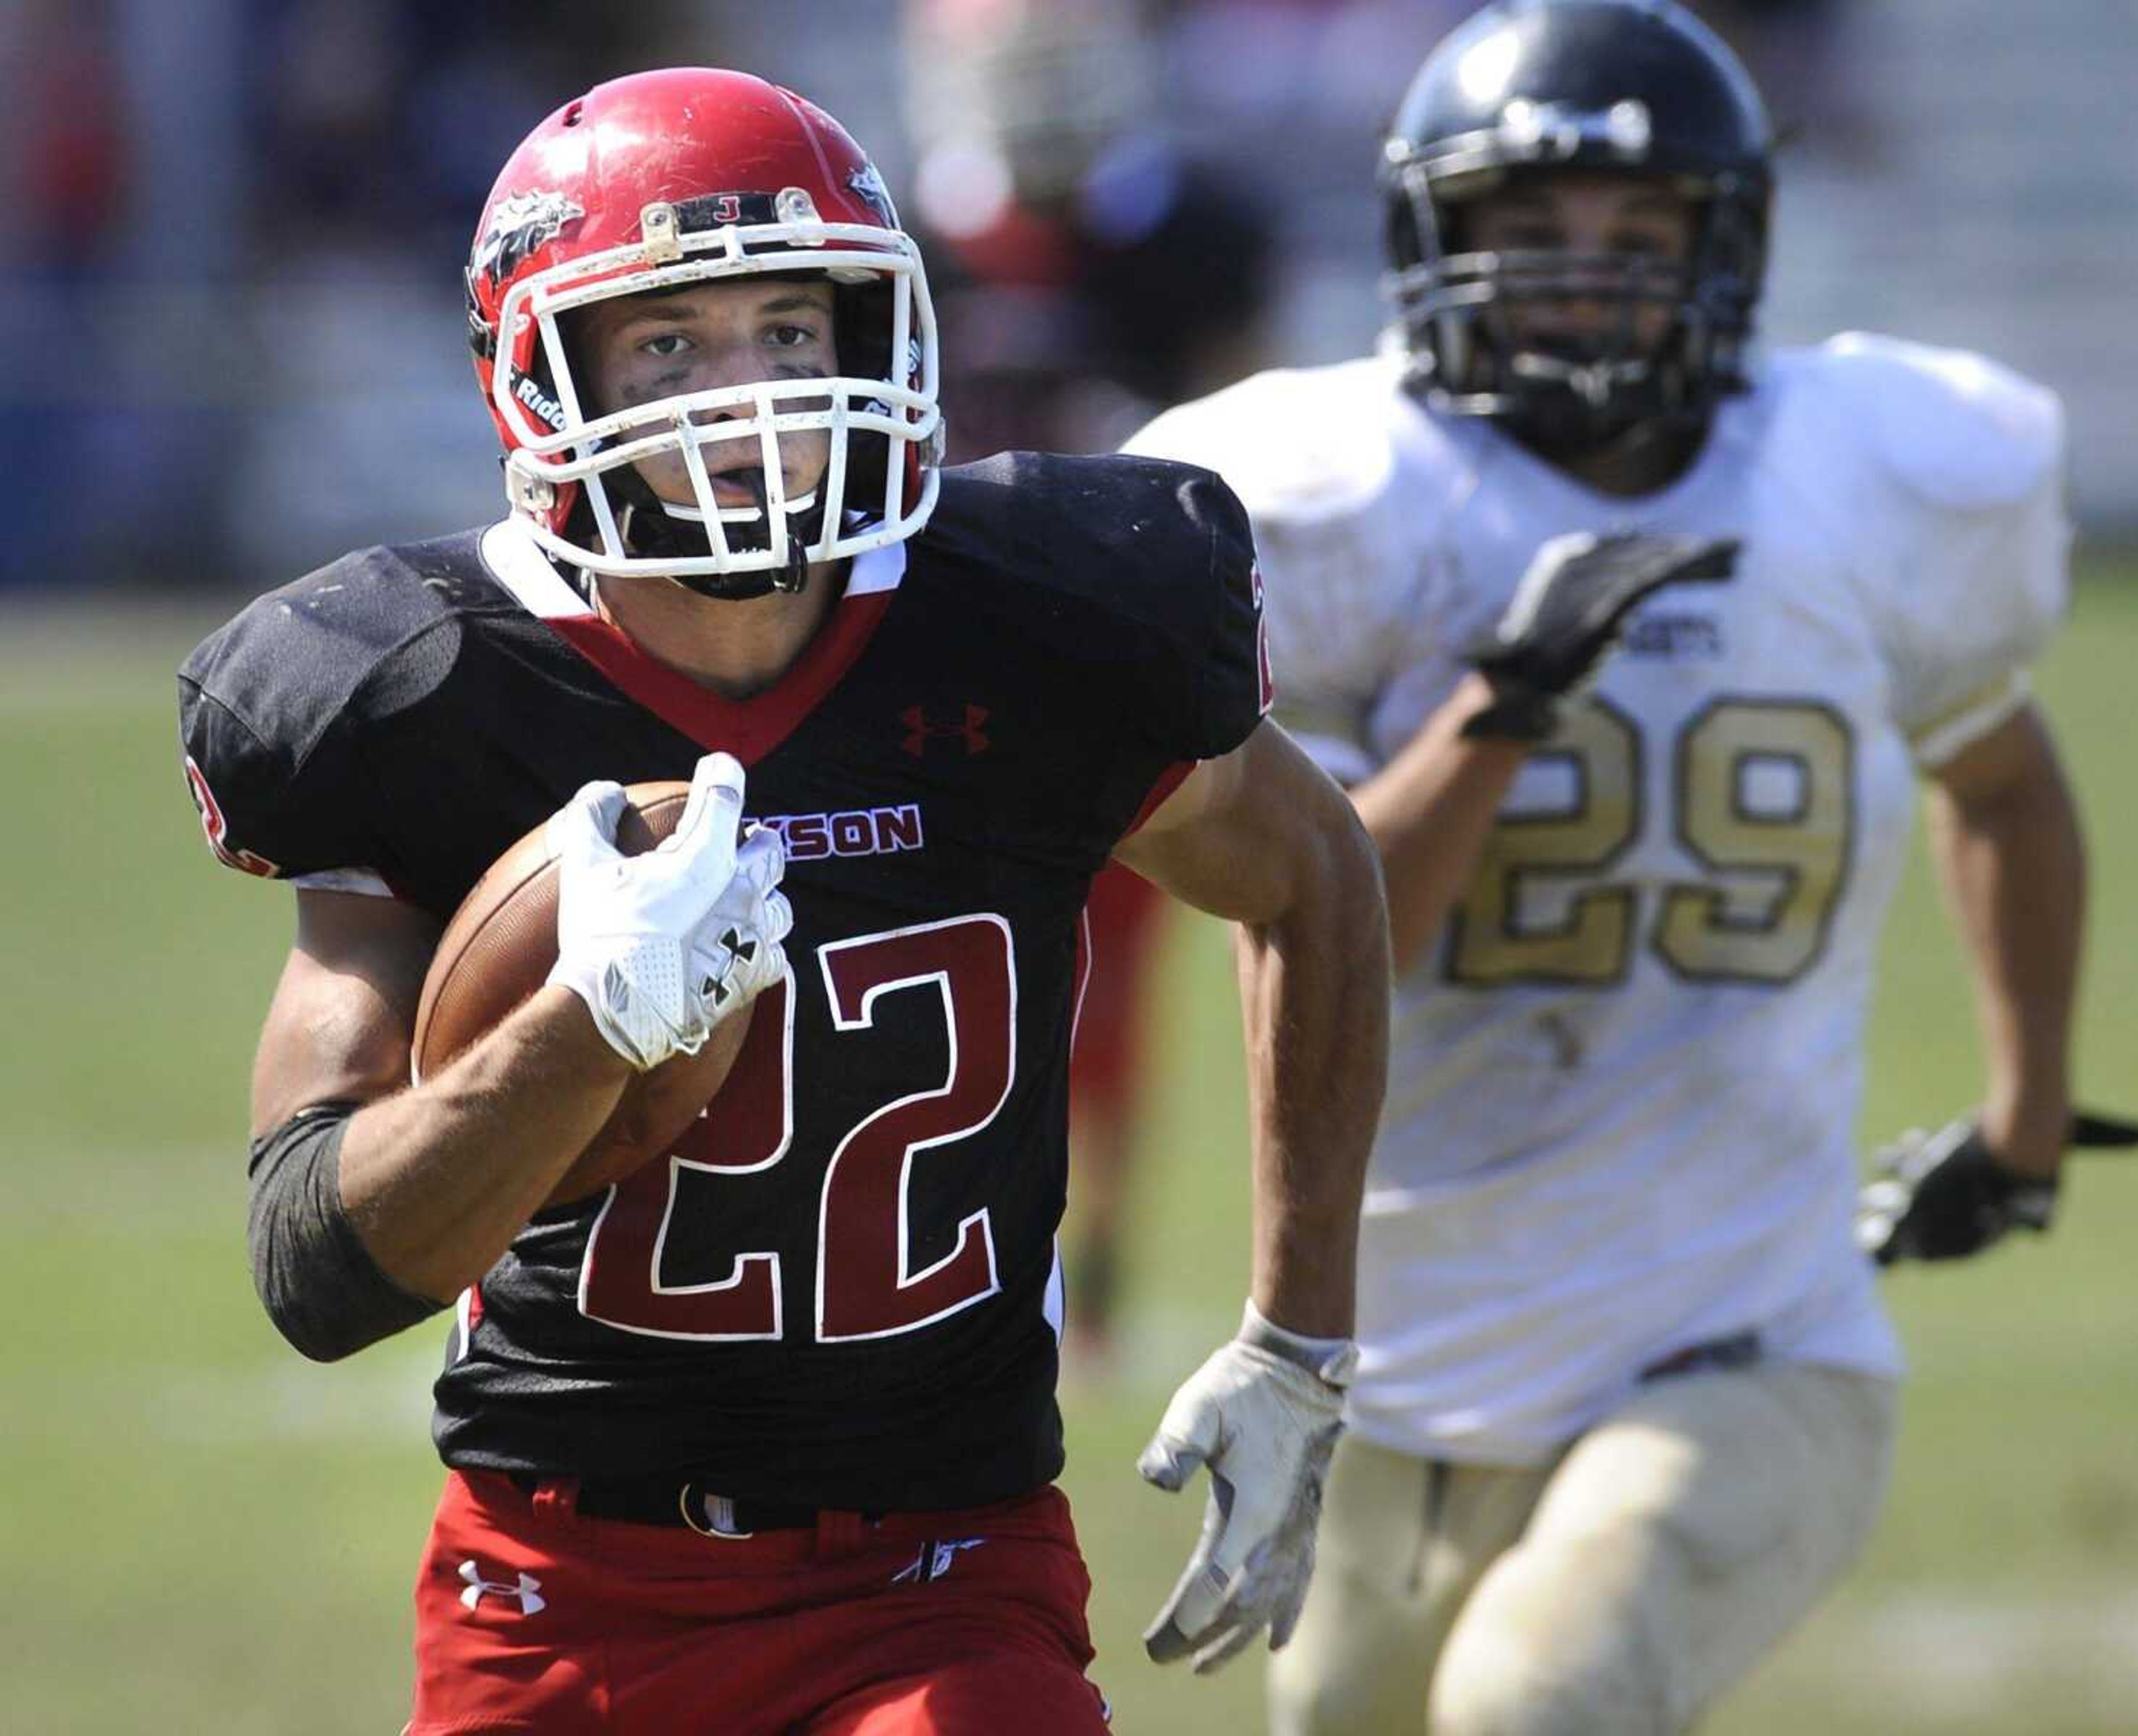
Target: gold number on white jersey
[[1773, 876], [1491, 941], [1776, 870]]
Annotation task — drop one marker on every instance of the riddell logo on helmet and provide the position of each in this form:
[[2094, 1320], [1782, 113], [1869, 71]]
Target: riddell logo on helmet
[[540, 402]]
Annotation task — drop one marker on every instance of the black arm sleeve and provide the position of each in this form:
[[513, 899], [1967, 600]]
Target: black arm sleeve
[[320, 1284]]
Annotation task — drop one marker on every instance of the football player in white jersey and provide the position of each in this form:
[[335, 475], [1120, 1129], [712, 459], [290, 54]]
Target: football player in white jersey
[[1627, 1397]]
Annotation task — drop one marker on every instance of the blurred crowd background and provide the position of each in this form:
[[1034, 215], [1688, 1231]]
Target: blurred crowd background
[[232, 230]]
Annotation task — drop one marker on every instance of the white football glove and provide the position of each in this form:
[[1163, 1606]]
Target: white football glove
[[663, 946], [1262, 1414]]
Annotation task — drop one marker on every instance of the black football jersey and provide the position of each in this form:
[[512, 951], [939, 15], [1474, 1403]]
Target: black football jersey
[[840, 1287]]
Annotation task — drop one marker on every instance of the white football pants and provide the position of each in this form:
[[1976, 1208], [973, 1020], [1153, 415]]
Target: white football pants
[[1615, 1592]]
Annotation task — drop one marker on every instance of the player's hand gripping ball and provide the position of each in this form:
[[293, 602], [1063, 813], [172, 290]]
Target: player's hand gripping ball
[[669, 951]]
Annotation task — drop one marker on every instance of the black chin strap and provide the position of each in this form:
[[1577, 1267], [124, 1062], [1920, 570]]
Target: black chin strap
[[1568, 405], [1655, 450], [649, 528], [802, 529]]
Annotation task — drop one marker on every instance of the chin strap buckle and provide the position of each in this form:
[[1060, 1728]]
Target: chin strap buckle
[[536, 495], [795, 574]]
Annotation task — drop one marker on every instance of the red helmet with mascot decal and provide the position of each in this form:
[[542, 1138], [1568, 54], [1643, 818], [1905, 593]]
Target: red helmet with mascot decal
[[668, 179]]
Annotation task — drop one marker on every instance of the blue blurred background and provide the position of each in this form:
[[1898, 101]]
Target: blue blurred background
[[231, 230]]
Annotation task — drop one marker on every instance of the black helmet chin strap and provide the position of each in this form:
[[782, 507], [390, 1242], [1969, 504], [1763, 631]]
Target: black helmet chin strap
[[1566, 405], [1560, 428], [649, 528], [802, 529]]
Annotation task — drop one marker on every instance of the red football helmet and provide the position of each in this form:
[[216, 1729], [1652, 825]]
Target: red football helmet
[[673, 177]]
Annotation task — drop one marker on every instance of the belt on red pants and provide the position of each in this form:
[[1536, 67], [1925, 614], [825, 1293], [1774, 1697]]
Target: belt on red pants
[[679, 1502]]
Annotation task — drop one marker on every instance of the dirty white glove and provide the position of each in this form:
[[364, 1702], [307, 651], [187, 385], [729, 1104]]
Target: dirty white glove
[[664, 945], [1262, 1416]]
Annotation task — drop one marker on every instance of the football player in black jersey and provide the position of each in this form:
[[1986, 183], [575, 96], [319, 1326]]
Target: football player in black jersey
[[803, 1367]]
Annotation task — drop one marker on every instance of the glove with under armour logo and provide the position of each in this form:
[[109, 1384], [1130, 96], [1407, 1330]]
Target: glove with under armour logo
[[664, 945], [1262, 1416], [1943, 1195], [1567, 613]]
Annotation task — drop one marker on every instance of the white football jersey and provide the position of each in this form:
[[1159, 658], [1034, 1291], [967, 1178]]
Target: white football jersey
[[1624, 1088]]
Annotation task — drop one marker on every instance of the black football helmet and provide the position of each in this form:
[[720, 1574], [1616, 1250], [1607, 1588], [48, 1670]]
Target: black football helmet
[[1526, 87]]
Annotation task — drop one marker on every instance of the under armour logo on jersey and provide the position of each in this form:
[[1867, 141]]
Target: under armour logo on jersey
[[933, 1560], [528, 1592], [919, 731]]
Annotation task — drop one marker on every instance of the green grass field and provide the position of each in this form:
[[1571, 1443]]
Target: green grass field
[[199, 1531]]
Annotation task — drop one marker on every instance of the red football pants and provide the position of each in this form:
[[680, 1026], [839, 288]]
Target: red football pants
[[970, 1623]]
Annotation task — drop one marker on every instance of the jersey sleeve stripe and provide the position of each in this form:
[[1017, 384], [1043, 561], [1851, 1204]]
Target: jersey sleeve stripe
[[1969, 719], [361, 881], [1169, 780]]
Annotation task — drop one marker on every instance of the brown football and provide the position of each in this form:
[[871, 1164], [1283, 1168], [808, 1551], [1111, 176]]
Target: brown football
[[499, 948]]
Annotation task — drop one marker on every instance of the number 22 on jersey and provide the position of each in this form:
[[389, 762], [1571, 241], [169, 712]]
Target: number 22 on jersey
[[1771, 873], [865, 1287]]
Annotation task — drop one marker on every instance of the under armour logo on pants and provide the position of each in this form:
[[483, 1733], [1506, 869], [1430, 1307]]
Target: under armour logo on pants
[[528, 1591]]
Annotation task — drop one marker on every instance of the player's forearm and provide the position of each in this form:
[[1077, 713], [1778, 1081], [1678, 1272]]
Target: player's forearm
[[437, 1180], [1313, 994], [1430, 813], [2014, 868]]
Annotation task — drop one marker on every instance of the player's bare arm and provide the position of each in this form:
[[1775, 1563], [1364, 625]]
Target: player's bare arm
[[1430, 813], [1263, 838], [2004, 832], [435, 1180]]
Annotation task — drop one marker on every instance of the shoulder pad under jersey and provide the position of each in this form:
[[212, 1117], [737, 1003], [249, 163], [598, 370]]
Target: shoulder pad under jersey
[[1946, 472], [1349, 485], [1957, 431], [1303, 444], [1136, 558], [268, 704]]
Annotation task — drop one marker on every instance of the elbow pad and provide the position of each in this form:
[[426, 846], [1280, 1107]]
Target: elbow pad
[[317, 1281]]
